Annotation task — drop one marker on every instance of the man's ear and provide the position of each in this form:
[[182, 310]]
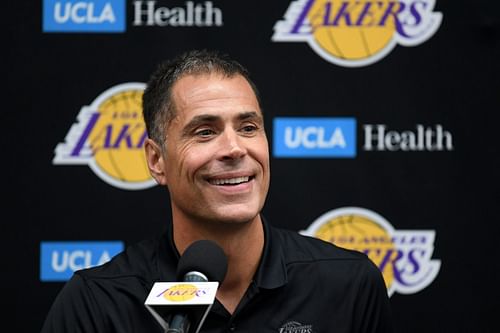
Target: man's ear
[[155, 160]]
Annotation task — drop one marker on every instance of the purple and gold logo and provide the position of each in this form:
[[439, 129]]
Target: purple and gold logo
[[355, 33], [109, 137], [182, 292], [403, 256]]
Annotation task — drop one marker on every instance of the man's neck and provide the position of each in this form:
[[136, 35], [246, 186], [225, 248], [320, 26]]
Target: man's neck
[[243, 245]]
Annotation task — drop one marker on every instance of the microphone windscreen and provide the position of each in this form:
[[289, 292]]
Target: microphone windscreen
[[206, 257]]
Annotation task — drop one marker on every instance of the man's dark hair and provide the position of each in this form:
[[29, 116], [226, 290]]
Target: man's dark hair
[[158, 106]]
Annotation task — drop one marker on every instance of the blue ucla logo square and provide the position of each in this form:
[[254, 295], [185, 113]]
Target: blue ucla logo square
[[105, 16]]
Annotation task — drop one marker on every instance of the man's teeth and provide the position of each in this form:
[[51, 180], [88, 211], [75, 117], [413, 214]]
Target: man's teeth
[[231, 181]]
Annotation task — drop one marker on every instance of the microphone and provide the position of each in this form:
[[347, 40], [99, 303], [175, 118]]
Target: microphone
[[183, 307], [202, 261]]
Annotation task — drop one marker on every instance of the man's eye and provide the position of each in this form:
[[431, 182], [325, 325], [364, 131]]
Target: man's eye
[[249, 129], [204, 132]]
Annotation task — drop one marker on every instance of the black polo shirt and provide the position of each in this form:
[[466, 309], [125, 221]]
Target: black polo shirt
[[302, 285]]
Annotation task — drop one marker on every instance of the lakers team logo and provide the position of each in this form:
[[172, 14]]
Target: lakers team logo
[[403, 256], [109, 137], [354, 33], [182, 292]]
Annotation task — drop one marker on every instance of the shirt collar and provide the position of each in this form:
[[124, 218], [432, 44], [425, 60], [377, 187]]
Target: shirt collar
[[168, 256], [270, 274]]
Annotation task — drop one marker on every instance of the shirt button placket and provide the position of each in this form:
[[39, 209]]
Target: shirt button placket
[[232, 327]]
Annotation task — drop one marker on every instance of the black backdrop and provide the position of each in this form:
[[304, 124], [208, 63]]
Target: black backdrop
[[452, 79]]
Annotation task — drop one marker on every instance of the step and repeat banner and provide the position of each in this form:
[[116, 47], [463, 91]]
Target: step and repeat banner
[[381, 118]]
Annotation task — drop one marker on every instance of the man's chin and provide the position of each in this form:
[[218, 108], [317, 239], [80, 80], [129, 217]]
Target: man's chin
[[236, 220], [236, 217]]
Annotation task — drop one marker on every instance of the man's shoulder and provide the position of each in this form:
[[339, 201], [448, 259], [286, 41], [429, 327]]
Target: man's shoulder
[[303, 253], [108, 297], [136, 261], [298, 247]]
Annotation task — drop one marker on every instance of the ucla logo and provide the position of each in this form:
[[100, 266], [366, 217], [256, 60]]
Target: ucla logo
[[355, 33], [59, 260], [84, 16], [314, 137], [403, 256], [109, 137]]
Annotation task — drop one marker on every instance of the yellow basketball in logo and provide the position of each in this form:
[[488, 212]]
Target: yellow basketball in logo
[[353, 29], [117, 138], [181, 293], [364, 234]]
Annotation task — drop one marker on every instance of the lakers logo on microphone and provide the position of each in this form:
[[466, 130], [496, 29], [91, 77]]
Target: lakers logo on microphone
[[109, 137], [354, 33], [403, 256], [183, 292]]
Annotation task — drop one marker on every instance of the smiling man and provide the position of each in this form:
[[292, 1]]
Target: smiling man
[[213, 157], [207, 146]]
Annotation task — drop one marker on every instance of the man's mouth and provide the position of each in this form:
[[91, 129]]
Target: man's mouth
[[231, 181]]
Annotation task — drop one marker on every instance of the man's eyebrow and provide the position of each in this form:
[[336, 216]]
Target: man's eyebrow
[[210, 118], [199, 120], [250, 115]]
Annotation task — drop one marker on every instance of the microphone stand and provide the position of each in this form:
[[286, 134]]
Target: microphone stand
[[179, 324]]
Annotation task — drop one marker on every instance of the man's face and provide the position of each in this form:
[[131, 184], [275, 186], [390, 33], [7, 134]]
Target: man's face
[[217, 158]]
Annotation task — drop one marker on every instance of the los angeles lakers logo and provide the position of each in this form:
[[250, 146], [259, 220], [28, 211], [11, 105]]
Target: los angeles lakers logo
[[109, 137], [355, 33], [185, 292], [181, 293], [403, 256]]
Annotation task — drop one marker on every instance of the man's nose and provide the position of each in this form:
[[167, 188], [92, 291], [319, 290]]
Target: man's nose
[[232, 145]]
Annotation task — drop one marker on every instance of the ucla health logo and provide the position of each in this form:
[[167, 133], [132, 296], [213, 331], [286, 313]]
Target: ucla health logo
[[403, 256], [109, 137], [354, 33], [314, 137], [84, 16], [109, 16], [58, 260]]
